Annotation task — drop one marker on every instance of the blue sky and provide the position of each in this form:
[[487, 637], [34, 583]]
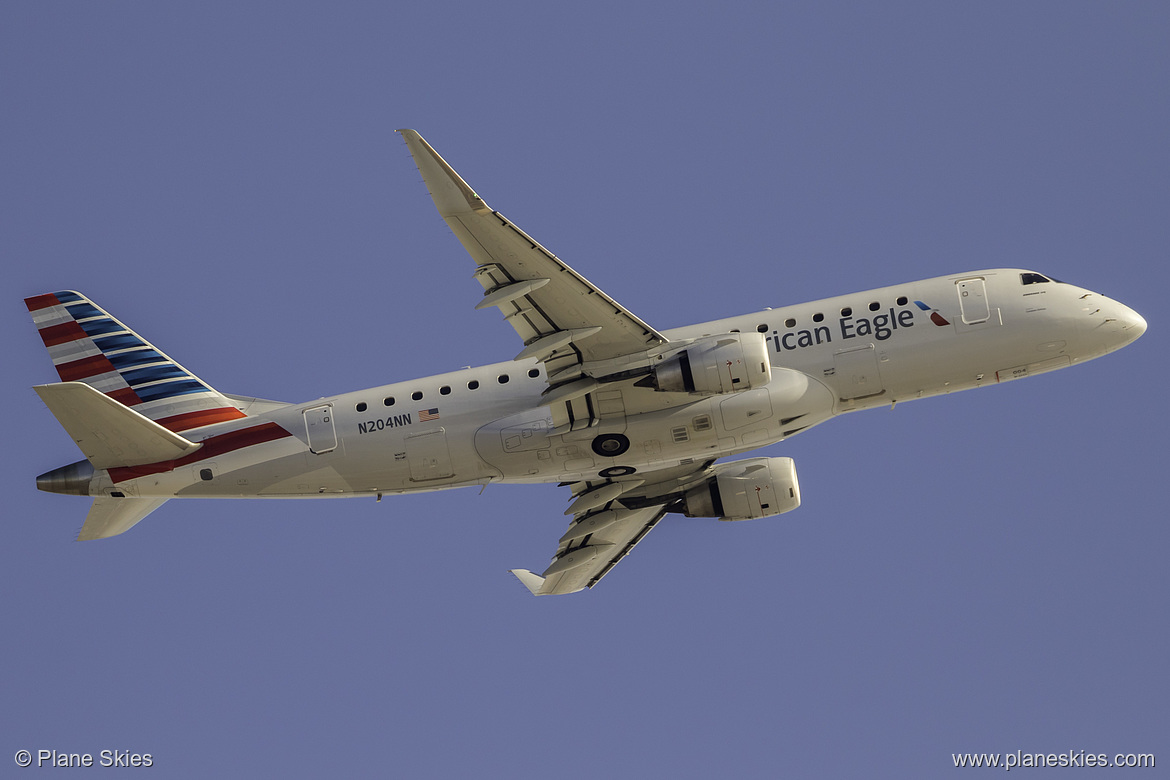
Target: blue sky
[[983, 572]]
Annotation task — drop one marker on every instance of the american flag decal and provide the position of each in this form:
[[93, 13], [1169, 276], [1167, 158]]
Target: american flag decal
[[426, 415]]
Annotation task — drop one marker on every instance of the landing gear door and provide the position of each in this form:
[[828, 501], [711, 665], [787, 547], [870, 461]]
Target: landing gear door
[[973, 300], [319, 428]]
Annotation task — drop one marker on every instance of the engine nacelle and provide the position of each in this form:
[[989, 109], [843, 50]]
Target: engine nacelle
[[715, 365], [745, 490]]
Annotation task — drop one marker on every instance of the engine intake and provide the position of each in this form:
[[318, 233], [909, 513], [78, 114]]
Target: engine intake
[[727, 363], [746, 490]]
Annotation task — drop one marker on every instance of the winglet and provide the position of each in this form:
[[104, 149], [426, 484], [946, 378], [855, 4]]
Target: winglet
[[451, 194], [534, 582]]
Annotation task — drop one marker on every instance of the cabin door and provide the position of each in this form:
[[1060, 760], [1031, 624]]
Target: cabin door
[[973, 300], [319, 428]]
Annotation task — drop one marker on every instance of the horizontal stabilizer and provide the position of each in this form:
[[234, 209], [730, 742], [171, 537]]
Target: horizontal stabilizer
[[108, 433], [112, 516]]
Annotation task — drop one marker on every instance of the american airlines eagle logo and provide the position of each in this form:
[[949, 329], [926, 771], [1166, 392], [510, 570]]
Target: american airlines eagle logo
[[935, 317]]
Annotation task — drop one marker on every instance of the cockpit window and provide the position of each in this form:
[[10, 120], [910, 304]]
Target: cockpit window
[[1032, 278]]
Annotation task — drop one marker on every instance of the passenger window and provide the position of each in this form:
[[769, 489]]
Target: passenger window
[[790, 323], [362, 406], [874, 306], [502, 379], [444, 390], [818, 317], [473, 384], [534, 372], [847, 311], [762, 328], [388, 401], [903, 300], [416, 395]]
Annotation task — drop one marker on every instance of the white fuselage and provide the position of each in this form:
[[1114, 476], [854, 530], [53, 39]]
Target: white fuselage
[[485, 424]]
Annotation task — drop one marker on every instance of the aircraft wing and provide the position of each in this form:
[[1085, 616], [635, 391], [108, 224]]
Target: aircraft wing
[[563, 319], [590, 548], [609, 518]]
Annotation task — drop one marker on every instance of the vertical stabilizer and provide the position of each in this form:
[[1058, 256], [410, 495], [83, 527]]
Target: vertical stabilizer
[[90, 346]]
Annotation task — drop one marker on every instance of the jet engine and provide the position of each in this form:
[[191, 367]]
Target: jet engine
[[714, 365], [746, 490]]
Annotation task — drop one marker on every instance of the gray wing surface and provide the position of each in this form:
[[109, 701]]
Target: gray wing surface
[[592, 546], [609, 518], [566, 323], [562, 318]]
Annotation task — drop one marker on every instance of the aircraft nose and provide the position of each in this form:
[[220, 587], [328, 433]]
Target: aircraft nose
[[1110, 325], [1133, 324], [1124, 324]]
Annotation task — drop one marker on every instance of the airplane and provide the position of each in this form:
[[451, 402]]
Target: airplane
[[632, 420]]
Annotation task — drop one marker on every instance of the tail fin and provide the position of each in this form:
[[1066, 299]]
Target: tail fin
[[88, 345]]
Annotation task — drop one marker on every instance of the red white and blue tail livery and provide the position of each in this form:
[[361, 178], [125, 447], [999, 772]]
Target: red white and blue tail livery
[[88, 345]]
